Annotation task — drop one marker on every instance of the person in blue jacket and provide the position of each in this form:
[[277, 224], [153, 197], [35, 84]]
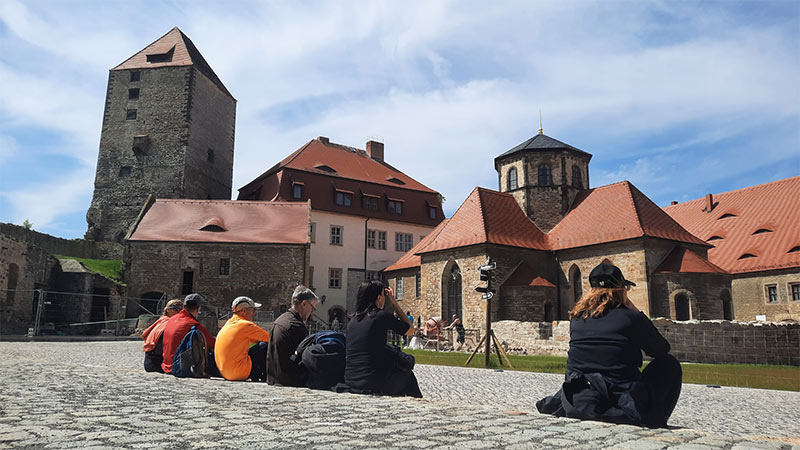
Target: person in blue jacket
[[603, 382]]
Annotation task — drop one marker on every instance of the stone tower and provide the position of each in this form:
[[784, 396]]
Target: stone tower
[[168, 130], [544, 175]]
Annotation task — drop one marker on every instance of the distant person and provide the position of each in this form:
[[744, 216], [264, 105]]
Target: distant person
[[458, 327], [607, 337], [241, 349], [288, 331], [367, 366], [433, 327], [154, 337], [180, 324]]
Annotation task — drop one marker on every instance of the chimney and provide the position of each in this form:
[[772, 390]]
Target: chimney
[[323, 139], [709, 203], [673, 203], [375, 150]]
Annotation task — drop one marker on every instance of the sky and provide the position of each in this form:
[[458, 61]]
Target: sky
[[680, 98]]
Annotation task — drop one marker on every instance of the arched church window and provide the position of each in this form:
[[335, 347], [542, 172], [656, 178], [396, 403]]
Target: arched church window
[[545, 175], [577, 181], [512, 178]]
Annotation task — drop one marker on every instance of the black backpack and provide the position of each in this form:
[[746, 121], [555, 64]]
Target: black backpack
[[322, 355]]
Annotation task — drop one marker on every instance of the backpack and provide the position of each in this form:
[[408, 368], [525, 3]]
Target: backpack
[[191, 356], [323, 356]]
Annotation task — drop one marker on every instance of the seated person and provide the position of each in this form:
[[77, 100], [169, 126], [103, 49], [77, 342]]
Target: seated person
[[288, 331], [179, 325], [241, 350], [433, 327], [367, 366], [153, 336], [607, 337]]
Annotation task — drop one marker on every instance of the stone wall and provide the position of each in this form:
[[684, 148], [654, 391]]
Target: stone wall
[[79, 248], [692, 341], [750, 295], [266, 273], [705, 292]]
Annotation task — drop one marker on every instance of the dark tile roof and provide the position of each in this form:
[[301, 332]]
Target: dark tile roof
[[541, 142], [759, 220], [184, 53]]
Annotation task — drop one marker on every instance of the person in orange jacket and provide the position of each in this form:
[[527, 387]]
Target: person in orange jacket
[[241, 349], [153, 336]]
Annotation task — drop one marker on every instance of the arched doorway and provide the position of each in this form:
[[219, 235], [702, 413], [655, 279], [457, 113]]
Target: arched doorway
[[727, 305], [451, 294], [575, 282], [682, 307]]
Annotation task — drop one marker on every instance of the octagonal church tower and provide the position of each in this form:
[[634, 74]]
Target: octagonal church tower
[[544, 175]]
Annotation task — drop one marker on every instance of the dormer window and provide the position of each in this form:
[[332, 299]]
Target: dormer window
[[761, 231], [714, 238], [747, 256], [161, 57], [214, 225], [432, 212], [297, 190], [395, 206], [395, 180], [726, 215], [794, 249], [344, 198], [325, 167], [370, 202]]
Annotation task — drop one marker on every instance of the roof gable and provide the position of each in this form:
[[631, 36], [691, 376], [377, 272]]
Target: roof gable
[[223, 221], [683, 260], [774, 206], [615, 212], [173, 49]]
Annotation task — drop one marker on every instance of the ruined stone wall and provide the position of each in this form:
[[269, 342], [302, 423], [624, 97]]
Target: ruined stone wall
[[266, 273], [209, 154], [526, 303], [750, 295], [701, 342], [704, 291], [79, 248]]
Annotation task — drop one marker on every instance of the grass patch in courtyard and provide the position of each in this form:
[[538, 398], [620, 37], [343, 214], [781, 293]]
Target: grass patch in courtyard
[[785, 378], [109, 268]]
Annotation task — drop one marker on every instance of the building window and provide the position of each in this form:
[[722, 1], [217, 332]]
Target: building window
[[432, 212], [545, 176], [772, 293], [512, 178], [373, 275], [381, 240], [417, 284], [335, 278], [344, 198], [297, 190], [224, 266], [403, 241], [336, 235], [136, 75], [370, 203], [125, 171], [395, 207], [371, 238], [130, 114], [795, 288], [398, 294], [577, 181], [313, 232], [133, 94]]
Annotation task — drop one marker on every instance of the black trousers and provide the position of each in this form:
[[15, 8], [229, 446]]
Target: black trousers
[[663, 377], [258, 358], [401, 382], [152, 363]]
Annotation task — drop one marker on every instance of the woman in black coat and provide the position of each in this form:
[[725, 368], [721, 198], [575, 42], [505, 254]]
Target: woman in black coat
[[603, 382], [369, 366]]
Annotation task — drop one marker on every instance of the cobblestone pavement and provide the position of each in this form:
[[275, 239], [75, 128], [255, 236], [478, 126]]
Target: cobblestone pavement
[[94, 395]]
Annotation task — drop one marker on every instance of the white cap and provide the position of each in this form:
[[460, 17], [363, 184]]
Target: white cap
[[239, 300]]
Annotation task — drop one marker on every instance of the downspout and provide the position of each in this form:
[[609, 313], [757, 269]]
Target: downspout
[[558, 287], [366, 235]]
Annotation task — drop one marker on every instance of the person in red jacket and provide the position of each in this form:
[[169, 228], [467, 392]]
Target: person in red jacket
[[179, 325]]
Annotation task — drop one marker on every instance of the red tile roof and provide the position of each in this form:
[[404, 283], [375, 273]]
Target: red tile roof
[[524, 275], [612, 213], [410, 259], [683, 260], [488, 217], [226, 221], [183, 53], [772, 206]]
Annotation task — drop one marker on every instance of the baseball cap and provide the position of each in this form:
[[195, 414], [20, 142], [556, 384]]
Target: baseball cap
[[238, 301], [608, 276], [193, 300]]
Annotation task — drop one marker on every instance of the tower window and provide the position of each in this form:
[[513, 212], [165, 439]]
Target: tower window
[[130, 114], [136, 75], [125, 171], [512, 178], [432, 212], [210, 155], [577, 181], [545, 175], [133, 94]]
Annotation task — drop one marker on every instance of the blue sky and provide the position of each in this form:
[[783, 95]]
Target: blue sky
[[680, 98]]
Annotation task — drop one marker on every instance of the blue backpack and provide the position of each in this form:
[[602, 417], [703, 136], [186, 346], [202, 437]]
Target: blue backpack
[[191, 356]]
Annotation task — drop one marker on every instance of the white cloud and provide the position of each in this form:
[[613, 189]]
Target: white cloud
[[8, 147]]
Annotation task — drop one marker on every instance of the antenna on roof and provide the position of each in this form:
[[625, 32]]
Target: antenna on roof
[[540, 122]]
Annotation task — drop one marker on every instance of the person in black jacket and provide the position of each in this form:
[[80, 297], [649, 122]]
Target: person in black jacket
[[288, 330], [368, 366], [607, 336]]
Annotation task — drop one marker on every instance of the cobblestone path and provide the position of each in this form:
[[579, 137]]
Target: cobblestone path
[[94, 395]]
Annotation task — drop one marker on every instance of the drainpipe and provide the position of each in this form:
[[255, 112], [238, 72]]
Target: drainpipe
[[366, 235], [558, 287]]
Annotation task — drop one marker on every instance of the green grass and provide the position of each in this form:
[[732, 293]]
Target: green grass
[[785, 378], [109, 268]]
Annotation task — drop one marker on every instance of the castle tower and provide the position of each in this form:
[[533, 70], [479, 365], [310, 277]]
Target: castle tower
[[544, 175], [168, 130]]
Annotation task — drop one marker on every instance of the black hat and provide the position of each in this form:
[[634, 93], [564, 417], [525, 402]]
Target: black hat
[[193, 300], [608, 276]]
